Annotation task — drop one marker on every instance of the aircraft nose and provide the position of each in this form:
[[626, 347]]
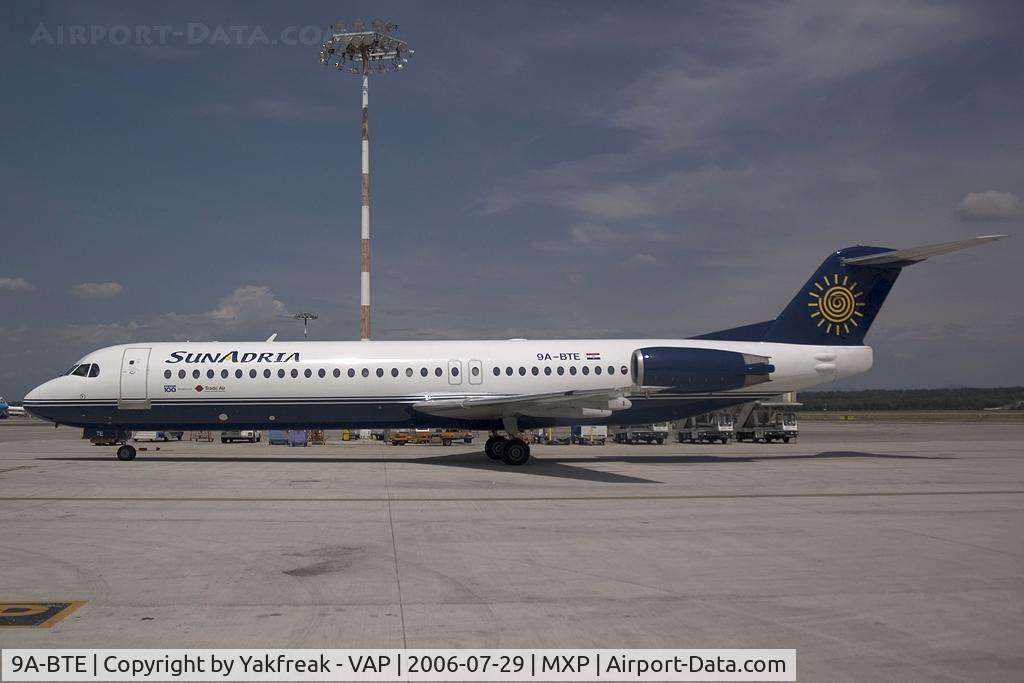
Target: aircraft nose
[[36, 397]]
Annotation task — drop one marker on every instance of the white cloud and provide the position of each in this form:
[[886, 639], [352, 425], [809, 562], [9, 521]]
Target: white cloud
[[97, 290], [639, 260], [15, 284], [248, 312], [591, 234], [988, 206]]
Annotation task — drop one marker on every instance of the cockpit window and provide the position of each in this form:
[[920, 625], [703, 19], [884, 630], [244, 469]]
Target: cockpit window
[[85, 370], [71, 369]]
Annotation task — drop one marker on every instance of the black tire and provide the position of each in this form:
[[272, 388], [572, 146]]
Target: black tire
[[785, 439], [469, 440], [724, 440], [126, 452], [661, 441], [515, 452], [179, 437], [446, 442], [494, 446]]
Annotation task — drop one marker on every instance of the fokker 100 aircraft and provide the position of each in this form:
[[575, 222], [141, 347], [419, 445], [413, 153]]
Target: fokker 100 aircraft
[[501, 386]]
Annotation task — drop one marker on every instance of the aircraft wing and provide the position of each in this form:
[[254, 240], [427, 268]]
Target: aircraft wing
[[582, 403]]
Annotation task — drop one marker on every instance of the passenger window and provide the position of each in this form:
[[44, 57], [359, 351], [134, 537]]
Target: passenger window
[[209, 374], [308, 373], [572, 369], [423, 372], [547, 369], [167, 374], [195, 374], [561, 370], [408, 372], [508, 371], [535, 371], [181, 374], [295, 373], [474, 371], [497, 371], [238, 374], [366, 372], [266, 374], [438, 372], [611, 369], [586, 370], [522, 371], [394, 372], [455, 372], [597, 370], [224, 374], [252, 374], [337, 373], [624, 370], [380, 372], [321, 373], [351, 372], [280, 373]]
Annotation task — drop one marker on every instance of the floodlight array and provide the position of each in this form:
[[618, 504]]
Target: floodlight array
[[348, 49]]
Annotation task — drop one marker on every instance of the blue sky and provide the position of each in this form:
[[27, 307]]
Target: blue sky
[[532, 173]]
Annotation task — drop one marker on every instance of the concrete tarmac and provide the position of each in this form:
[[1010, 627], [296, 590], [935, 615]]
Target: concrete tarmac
[[880, 552]]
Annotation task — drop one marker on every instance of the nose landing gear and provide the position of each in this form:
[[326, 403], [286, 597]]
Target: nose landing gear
[[126, 452]]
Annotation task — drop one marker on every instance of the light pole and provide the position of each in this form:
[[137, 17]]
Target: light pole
[[362, 49], [305, 318]]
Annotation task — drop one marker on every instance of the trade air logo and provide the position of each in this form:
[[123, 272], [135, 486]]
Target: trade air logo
[[836, 305], [233, 357]]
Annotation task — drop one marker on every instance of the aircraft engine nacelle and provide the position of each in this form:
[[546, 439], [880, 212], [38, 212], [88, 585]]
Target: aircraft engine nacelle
[[698, 370]]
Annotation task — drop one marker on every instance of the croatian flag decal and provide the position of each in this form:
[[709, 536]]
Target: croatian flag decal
[[593, 356]]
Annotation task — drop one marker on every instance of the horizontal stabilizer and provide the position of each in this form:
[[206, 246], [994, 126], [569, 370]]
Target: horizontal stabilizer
[[907, 257]]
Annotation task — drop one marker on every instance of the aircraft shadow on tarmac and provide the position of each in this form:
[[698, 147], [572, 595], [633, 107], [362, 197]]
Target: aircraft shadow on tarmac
[[548, 465]]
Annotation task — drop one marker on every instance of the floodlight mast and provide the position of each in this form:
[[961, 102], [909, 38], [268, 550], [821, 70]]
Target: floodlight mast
[[380, 47], [305, 318]]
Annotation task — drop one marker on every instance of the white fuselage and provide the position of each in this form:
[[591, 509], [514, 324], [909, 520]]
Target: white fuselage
[[374, 384]]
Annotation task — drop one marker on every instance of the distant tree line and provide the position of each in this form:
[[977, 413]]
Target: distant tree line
[[1009, 398]]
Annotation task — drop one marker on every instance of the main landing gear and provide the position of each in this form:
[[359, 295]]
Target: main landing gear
[[511, 451], [126, 452]]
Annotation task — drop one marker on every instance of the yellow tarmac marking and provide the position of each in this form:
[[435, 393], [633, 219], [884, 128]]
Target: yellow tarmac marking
[[32, 614]]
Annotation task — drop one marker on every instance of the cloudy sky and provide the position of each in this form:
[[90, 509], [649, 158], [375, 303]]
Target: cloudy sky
[[190, 171]]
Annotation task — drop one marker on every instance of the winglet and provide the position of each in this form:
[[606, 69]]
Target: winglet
[[908, 257]]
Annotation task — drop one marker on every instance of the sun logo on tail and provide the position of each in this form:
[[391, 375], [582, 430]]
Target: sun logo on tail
[[836, 305]]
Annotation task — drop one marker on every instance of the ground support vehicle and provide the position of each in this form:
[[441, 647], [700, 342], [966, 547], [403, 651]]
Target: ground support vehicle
[[768, 421], [250, 435], [707, 428], [445, 437], [590, 435], [643, 433]]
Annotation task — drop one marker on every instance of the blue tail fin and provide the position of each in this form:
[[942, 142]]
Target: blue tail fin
[[839, 302], [842, 298]]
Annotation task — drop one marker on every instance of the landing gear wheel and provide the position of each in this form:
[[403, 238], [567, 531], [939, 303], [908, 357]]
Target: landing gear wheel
[[494, 447], [126, 452], [515, 452]]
